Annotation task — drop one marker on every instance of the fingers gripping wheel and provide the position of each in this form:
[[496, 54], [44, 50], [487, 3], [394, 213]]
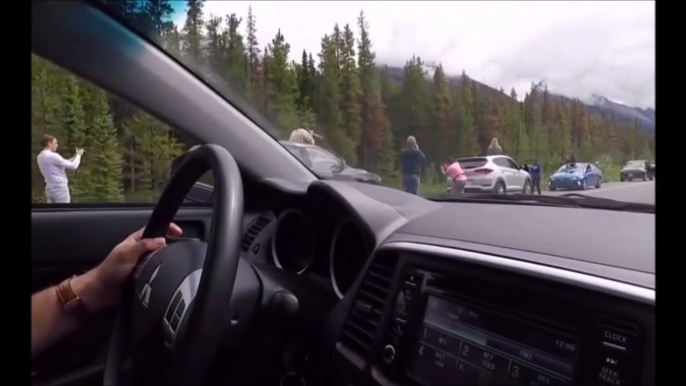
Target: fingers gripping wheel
[[175, 309]]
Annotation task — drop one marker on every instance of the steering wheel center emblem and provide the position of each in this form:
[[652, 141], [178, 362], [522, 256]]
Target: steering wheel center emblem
[[144, 295]]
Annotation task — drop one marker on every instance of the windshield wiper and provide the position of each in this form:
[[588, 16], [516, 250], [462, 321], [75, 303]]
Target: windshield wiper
[[569, 200]]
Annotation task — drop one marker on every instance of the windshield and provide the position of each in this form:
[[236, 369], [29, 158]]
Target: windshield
[[401, 90], [578, 168], [636, 164]]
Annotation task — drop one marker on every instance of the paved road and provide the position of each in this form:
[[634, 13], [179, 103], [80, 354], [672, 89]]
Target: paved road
[[636, 191]]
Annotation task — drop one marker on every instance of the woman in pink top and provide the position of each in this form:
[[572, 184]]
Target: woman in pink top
[[458, 179]]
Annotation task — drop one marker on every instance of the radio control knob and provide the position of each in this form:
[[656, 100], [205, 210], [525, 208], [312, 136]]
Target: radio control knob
[[388, 353]]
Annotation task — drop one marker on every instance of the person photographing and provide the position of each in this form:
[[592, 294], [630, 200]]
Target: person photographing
[[52, 166], [303, 136], [411, 161], [494, 148], [535, 172]]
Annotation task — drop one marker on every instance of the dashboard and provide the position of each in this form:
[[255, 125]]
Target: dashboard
[[424, 292]]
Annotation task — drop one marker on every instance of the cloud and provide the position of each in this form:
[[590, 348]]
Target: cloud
[[579, 48]]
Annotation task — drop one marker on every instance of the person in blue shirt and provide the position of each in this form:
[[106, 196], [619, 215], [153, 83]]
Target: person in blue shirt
[[535, 172], [411, 161]]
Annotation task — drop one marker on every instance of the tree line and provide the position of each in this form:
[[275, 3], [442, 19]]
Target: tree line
[[363, 112]]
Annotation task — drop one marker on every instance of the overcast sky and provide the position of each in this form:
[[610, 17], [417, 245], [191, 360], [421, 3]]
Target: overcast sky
[[579, 48]]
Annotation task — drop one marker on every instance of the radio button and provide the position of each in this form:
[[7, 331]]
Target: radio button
[[614, 367], [522, 374], [398, 326], [410, 292], [388, 354], [440, 340], [620, 338], [610, 376], [401, 306], [467, 374], [413, 278]]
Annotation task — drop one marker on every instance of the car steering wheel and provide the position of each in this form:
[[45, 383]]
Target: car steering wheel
[[175, 308]]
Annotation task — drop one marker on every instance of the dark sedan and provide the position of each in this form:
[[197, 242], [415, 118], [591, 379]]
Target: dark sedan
[[326, 164], [636, 170]]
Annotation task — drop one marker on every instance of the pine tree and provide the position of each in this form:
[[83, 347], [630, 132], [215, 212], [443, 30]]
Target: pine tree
[[74, 116], [216, 43], [193, 30], [328, 106], [282, 85], [74, 120], [236, 56], [388, 156], [372, 110], [305, 83], [350, 107], [106, 162], [253, 51], [413, 102], [467, 143], [150, 152], [444, 133], [155, 15]]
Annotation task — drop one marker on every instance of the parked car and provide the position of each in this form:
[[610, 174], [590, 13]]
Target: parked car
[[498, 174], [579, 175], [636, 170], [326, 164]]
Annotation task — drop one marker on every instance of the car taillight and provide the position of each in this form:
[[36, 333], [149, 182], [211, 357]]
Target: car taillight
[[482, 171]]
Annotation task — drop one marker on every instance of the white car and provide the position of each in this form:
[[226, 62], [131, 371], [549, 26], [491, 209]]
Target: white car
[[495, 174]]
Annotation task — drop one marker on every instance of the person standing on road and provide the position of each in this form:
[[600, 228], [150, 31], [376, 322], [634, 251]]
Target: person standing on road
[[411, 161], [52, 166], [456, 175], [535, 172]]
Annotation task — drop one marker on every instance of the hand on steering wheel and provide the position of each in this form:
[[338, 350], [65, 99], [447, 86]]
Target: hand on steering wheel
[[118, 265], [175, 313]]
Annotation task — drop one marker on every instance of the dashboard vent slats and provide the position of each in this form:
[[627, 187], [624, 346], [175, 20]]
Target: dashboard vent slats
[[252, 232], [365, 314]]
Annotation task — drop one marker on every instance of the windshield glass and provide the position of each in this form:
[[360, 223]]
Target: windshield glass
[[578, 168], [399, 91], [636, 164]]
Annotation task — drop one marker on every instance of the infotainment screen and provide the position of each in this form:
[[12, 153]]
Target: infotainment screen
[[462, 344]]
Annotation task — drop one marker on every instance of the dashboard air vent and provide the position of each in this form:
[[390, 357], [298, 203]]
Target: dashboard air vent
[[252, 232], [363, 319]]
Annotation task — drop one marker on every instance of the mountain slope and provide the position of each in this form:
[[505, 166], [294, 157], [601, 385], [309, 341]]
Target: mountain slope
[[598, 105]]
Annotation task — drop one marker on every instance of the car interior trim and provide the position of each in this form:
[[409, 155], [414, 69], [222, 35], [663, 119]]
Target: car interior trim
[[332, 253], [279, 222], [611, 287]]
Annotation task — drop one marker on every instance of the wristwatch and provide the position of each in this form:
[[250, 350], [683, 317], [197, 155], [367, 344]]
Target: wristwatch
[[71, 304]]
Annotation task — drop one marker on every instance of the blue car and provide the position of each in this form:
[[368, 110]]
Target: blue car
[[578, 176]]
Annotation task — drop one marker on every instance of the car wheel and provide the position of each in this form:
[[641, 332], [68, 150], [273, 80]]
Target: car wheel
[[600, 183], [645, 177], [552, 189], [499, 188], [621, 179], [583, 184], [528, 189]]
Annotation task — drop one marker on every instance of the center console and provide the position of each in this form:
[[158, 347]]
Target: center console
[[469, 325]]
